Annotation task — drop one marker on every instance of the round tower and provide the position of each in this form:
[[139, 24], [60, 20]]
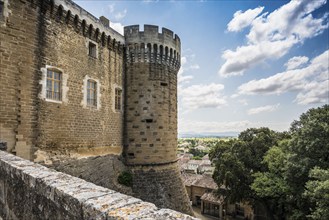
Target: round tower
[[150, 139]]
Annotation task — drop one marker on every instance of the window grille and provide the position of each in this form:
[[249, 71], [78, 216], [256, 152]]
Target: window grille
[[54, 85], [92, 93], [92, 49]]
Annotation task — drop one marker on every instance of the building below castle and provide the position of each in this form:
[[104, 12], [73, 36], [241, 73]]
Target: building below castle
[[70, 84]]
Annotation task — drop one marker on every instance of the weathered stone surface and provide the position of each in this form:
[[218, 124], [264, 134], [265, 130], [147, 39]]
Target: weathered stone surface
[[101, 170], [152, 64], [31, 191], [35, 36], [41, 35]]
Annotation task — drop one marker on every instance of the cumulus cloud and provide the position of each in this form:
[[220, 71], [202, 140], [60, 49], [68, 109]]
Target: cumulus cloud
[[202, 96], [262, 109], [243, 19], [296, 62], [316, 92], [311, 82], [188, 126], [272, 35]]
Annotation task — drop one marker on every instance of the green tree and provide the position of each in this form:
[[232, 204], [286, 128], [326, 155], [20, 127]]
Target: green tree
[[285, 172], [317, 191], [308, 148], [290, 163], [271, 184], [237, 160]]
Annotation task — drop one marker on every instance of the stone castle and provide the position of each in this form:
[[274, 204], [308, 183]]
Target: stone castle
[[70, 83]]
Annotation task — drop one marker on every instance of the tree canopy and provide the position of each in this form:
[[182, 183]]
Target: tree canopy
[[281, 171]]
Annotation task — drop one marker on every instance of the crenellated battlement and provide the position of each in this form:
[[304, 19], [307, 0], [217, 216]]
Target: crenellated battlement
[[69, 13], [151, 46]]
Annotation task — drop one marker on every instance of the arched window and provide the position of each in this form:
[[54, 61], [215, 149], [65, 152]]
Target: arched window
[[68, 17], [103, 39], [59, 13], [161, 51], [76, 21], [90, 30], [109, 41], [149, 48], [155, 48], [84, 24], [96, 34]]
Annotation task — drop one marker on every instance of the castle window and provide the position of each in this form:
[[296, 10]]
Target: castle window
[[118, 99], [91, 98], [91, 93], [92, 50], [54, 85]]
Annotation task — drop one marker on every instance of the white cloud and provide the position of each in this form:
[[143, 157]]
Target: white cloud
[[149, 1], [262, 109], [243, 19], [188, 126], [296, 62], [202, 96], [180, 77], [247, 56], [111, 7], [117, 15], [311, 82], [117, 26], [194, 67], [316, 92], [186, 60], [272, 35], [243, 102], [120, 15]]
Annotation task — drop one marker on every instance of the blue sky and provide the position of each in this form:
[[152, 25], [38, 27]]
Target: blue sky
[[244, 63]]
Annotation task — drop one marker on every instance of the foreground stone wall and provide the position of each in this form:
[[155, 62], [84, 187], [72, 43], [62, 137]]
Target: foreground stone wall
[[31, 191]]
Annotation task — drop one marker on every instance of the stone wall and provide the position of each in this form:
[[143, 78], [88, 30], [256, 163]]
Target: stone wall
[[31, 191], [152, 64], [18, 68], [37, 35], [161, 185]]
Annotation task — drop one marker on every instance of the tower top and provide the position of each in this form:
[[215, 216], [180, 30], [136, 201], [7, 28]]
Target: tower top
[[151, 35], [151, 46]]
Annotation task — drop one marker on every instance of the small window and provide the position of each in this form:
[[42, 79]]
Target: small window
[[118, 99], [91, 93], [92, 49], [54, 85]]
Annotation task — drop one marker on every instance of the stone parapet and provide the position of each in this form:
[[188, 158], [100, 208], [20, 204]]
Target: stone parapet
[[150, 46], [31, 191]]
